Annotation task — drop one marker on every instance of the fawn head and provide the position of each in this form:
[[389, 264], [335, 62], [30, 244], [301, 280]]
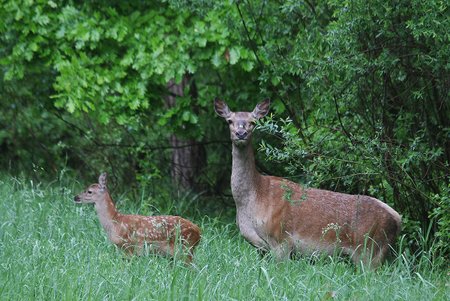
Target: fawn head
[[241, 123], [94, 192]]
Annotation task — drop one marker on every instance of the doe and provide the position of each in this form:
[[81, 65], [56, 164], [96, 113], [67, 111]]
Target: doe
[[283, 217], [136, 233]]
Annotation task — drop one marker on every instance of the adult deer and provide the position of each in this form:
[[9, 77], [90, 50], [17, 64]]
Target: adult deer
[[136, 233], [277, 215]]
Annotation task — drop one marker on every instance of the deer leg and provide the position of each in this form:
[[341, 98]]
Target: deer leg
[[378, 259], [128, 248], [281, 251], [371, 255]]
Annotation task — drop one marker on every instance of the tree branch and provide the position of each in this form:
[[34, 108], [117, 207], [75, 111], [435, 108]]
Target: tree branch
[[247, 32]]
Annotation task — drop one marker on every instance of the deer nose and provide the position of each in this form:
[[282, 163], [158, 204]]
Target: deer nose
[[241, 134], [76, 199]]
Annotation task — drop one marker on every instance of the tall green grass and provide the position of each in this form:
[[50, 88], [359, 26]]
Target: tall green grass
[[52, 249]]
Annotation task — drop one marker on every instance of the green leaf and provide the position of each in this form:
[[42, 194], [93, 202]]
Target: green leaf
[[275, 80], [193, 118], [186, 116], [234, 55], [248, 65], [103, 117], [121, 119], [216, 59], [70, 105]]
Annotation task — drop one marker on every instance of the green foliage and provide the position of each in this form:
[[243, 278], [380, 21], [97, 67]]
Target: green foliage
[[441, 216], [100, 73], [111, 60]]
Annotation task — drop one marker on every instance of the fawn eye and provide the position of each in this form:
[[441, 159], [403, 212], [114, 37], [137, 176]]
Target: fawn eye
[[89, 192], [230, 121]]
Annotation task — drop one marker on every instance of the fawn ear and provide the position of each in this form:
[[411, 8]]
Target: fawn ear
[[261, 109], [102, 181], [221, 108]]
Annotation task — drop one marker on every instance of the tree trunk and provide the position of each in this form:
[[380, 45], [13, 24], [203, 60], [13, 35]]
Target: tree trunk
[[188, 157]]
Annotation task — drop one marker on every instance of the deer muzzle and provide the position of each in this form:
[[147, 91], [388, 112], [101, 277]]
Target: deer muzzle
[[241, 134]]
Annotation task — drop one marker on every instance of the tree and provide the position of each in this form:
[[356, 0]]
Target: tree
[[106, 69]]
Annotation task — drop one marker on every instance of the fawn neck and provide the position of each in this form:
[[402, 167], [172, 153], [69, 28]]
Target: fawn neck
[[107, 213], [244, 176]]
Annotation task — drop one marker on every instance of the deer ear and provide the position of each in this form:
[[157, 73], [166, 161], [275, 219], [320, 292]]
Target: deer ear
[[102, 181], [221, 108], [261, 109]]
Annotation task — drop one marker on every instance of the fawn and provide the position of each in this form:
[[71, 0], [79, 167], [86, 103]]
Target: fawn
[[277, 215], [136, 233]]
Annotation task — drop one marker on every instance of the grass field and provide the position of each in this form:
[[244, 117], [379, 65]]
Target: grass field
[[52, 249]]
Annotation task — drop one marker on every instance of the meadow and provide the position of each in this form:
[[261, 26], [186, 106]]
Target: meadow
[[53, 249]]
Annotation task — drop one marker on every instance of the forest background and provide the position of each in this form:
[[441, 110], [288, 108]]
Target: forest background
[[359, 89]]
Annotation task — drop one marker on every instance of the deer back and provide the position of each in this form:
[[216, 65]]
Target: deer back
[[314, 216]]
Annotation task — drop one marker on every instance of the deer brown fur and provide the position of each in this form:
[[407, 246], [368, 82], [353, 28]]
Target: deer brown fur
[[277, 215], [137, 233]]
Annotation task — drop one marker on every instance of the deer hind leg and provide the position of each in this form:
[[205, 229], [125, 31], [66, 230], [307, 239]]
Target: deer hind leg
[[378, 259], [185, 251], [189, 246], [281, 251], [188, 255], [128, 248], [184, 245], [370, 254], [179, 251]]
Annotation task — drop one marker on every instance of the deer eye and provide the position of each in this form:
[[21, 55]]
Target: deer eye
[[230, 121], [89, 192]]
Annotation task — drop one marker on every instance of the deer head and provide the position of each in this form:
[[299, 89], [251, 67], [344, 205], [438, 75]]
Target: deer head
[[241, 123], [94, 192]]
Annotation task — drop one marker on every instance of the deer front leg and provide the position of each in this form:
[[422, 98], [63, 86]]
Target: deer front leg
[[247, 229]]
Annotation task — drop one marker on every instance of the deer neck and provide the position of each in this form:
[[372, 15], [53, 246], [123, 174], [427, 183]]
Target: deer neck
[[244, 176], [107, 213]]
